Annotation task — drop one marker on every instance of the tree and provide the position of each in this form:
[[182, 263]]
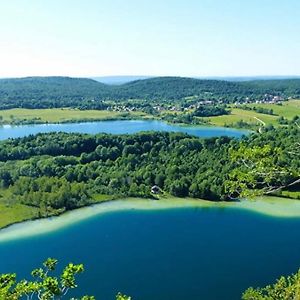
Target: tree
[[44, 286], [285, 288], [258, 171]]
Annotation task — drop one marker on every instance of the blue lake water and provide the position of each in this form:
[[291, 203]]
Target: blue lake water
[[117, 127], [187, 253]]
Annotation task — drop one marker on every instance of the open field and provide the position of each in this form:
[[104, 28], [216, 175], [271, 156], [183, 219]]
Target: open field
[[238, 114], [57, 115], [14, 212], [287, 110]]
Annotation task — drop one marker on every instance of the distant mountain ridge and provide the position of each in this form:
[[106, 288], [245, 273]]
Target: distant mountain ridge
[[117, 80], [56, 91]]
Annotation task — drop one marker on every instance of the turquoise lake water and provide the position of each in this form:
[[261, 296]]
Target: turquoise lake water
[[117, 127], [187, 253]]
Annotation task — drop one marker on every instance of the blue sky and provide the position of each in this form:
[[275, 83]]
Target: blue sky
[[158, 37]]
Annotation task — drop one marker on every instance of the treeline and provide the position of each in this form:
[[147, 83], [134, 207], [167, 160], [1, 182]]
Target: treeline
[[53, 92], [118, 165], [63, 171], [210, 111], [260, 110], [195, 117]]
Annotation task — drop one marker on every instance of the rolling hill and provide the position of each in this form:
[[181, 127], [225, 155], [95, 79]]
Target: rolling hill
[[50, 92]]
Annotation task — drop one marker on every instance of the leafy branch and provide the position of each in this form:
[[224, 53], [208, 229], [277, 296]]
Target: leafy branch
[[44, 286]]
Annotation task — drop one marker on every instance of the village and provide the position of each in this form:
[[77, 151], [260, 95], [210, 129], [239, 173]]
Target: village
[[183, 106]]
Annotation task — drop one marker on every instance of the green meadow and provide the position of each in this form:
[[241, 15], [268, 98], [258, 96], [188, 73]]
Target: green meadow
[[57, 115], [288, 110]]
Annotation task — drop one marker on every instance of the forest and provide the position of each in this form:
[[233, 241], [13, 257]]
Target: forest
[[60, 171], [83, 93]]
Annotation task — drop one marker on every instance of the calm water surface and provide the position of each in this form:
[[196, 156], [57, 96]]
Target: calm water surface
[[172, 254], [116, 127]]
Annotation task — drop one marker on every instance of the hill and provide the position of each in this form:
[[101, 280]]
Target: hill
[[176, 88], [53, 92], [49, 92], [285, 86]]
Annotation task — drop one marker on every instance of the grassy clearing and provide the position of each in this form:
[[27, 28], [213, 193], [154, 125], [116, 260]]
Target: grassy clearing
[[16, 213], [13, 213], [287, 110], [291, 194], [102, 198], [241, 115], [57, 115]]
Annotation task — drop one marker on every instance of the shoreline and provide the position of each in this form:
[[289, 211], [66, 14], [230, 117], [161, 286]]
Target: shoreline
[[268, 206]]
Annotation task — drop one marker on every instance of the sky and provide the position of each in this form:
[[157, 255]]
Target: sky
[[86, 38]]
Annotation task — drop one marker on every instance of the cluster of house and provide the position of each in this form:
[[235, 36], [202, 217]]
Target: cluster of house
[[121, 108], [271, 99], [201, 103], [268, 98], [168, 107], [192, 106]]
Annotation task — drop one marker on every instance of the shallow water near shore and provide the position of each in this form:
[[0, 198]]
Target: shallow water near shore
[[164, 250], [268, 206]]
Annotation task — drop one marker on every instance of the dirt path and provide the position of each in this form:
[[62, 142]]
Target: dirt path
[[261, 121]]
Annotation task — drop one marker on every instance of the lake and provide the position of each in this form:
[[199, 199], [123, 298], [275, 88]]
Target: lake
[[206, 253], [117, 127]]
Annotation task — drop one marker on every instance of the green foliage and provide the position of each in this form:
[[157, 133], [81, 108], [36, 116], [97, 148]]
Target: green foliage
[[264, 168], [55, 172], [43, 285], [260, 110], [50, 92], [210, 110], [285, 288], [122, 297], [196, 117]]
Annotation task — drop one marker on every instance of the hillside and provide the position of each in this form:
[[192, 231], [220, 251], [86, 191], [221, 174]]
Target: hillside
[[286, 86], [51, 92], [176, 88]]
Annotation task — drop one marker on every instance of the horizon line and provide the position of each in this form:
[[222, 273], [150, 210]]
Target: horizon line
[[152, 76]]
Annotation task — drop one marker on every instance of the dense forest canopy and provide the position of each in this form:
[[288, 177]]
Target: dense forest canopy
[[49, 92], [62, 171]]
